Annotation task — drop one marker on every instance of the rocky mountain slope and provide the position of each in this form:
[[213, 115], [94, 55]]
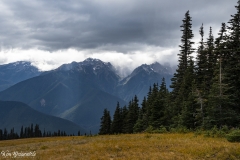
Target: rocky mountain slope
[[17, 114], [80, 91], [13, 73]]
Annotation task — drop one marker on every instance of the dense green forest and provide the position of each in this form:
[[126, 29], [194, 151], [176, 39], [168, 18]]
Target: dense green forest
[[205, 89]]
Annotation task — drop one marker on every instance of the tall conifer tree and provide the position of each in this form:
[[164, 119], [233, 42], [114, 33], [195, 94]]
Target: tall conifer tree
[[218, 112], [116, 126], [201, 79], [132, 115], [210, 59], [105, 127], [233, 61], [179, 81]]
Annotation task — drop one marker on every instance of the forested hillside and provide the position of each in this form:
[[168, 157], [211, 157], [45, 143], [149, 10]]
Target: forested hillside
[[205, 90]]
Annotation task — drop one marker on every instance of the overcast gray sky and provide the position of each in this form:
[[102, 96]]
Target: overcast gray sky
[[126, 33]]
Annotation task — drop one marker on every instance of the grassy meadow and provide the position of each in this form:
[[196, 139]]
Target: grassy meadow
[[125, 146]]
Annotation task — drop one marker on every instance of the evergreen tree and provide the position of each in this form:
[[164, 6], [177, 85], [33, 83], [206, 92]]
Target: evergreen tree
[[105, 127], [158, 106], [201, 58], [168, 110], [144, 105], [210, 60], [149, 92], [152, 104], [180, 81], [21, 133], [132, 115], [31, 131], [11, 135], [185, 50], [139, 125], [145, 114], [154, 108], [116, 126], [44, 133], [221, 42], [201, 78], [124, 113], [218, 97], [165, 112], [156, 111], [219, 112], [25, 133], [5, 134], [187, 118], [1, 134], [233, 63], [37, 131]]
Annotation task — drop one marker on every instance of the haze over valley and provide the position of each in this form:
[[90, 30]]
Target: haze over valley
[[78, 91]]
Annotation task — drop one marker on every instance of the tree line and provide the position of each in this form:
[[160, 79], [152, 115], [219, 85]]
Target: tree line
[[205, 89], [31, 132]]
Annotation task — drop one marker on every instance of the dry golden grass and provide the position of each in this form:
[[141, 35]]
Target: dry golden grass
[[134, 146]]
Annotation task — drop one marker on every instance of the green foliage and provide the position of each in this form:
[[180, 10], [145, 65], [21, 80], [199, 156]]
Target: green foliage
[[205, 95], [233, 136], [132, 116], [117, 122], [162, 129], [179, 129], [216, 132], [198, 132], [150, 129], [106, 121], [232, 62], [183, 78], [139, 125]]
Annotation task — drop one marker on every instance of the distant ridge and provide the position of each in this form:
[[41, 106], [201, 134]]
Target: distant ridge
[[59, 91], [16, 114], [139, 81], [13, 73], [80, 91]]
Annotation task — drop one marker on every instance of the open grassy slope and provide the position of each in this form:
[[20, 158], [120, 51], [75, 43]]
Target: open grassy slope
[[135, 146]]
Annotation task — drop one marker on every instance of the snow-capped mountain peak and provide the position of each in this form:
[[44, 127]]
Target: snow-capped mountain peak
[[68, 66], [15, 72], [146, 70], [154, 67], [19, 66], [91, 64]]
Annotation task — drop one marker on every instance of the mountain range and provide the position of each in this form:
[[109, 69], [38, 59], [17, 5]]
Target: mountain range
[[13, 73], [139, 81], [80, 91], [17, 114]]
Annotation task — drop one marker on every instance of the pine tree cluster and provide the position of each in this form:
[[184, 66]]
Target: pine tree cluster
[[205, 90], [30, 132], [133, 118]]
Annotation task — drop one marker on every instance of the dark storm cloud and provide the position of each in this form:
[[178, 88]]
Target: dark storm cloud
[[118, 25]]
